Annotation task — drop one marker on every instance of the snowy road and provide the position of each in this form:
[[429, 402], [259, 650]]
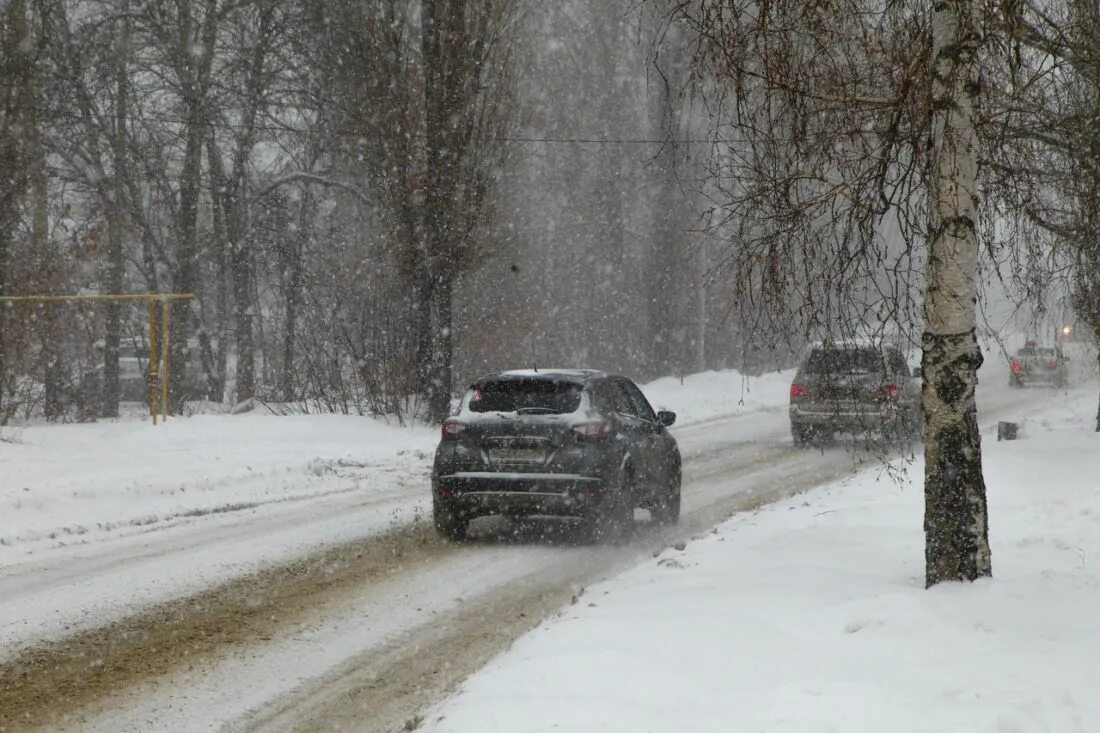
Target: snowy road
[[369, 631]]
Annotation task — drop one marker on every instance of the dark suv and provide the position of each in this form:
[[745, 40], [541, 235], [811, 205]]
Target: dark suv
[[854, 387], [574, 443]]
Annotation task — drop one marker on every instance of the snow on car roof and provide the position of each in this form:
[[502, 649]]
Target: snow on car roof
[[565, 374], [850, 344]]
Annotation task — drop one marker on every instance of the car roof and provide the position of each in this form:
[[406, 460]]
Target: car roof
[[577, 376]]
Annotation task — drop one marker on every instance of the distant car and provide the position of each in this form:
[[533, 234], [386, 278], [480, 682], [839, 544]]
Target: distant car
[[1039, 364], [572, 443], [854, 387], [133, 380], [133, 385]]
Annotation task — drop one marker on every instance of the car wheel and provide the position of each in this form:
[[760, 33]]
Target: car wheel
[[666, 509], [800, 434], [613, 520], [1015, 382], [448, 523]]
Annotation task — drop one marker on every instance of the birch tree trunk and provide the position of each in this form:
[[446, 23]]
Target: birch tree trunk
[[956, 523]]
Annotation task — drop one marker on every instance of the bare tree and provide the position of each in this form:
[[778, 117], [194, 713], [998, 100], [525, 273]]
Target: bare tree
[[956, 523], [465, 80], [1047, 171], [179, 43], [46, 258], [426, 108], [16, 138], [256, 30], [90, 118], [669, 274], [847, 154]]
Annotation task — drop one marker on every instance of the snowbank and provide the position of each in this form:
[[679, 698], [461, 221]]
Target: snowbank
[[711, 395], [810, 615], [72, 484]]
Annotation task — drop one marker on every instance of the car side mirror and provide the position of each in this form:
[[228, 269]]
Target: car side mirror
[[666, 419], [917, 372]]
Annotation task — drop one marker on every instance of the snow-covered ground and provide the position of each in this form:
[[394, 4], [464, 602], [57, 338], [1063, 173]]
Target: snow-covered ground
[[811, 615], [74, 484], [711, 395], [67, 485], [102, 521], [99, 520]]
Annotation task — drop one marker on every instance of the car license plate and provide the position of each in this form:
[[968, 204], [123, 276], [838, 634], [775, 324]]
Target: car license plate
[[516, 455]]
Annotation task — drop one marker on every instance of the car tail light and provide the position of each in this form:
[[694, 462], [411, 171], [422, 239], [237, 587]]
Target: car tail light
[[591, 430], [1016, 366], [1053, 362], [799, 390], [887, 392], [452, 429]]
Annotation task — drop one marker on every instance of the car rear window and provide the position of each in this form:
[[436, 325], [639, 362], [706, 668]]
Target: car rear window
[[526, 395], [844, 361]]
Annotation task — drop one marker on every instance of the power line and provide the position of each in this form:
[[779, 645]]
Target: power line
[[291, 129]]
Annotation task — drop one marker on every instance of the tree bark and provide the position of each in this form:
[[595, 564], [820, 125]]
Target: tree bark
[[293, 252], [241, 264], [113, 328], [229, 198], [183, 275], [216, 361], [290, 334], [956, 520], [443, 355], [1096, 341], [16, 81], [117, 206], [435, 277], [423, 337], [1087, 286], [46, 257], [194, 76]]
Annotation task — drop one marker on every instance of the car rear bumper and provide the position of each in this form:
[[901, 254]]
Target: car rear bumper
[[488, 492], [1037, 378]]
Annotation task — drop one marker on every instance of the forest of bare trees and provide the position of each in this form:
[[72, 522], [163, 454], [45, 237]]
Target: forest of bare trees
[[370, 200], [375, 201], [871, 161]]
